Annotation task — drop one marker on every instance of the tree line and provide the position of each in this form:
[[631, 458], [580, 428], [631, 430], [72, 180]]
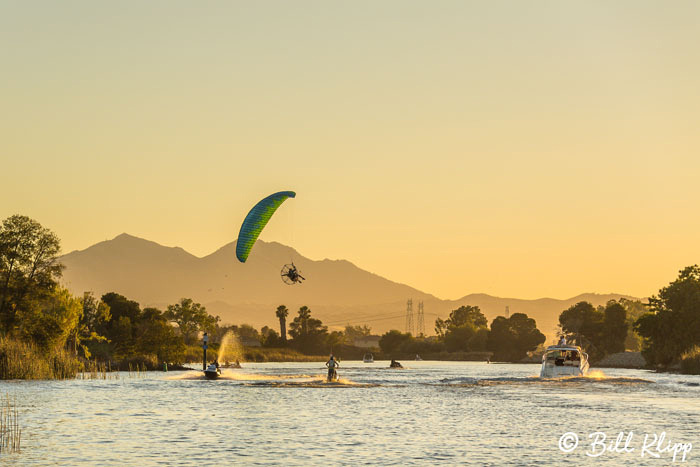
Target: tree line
[[666, 329], [466, 331]]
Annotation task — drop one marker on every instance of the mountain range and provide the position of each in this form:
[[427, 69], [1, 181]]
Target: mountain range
[[337, 291]]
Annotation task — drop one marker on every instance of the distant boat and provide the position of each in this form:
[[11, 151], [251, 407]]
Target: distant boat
[[212, 371], [564, 360], [368, 358], [418, 357]]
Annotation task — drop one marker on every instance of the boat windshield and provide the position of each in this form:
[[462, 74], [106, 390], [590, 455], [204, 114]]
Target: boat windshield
[[564, 357]]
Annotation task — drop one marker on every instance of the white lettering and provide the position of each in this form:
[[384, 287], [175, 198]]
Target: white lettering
[[598, 442]]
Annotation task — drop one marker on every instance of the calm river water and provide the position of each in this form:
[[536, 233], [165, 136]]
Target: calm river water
[[451, 413]]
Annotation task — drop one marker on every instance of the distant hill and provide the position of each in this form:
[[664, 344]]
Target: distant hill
[[337, 291]]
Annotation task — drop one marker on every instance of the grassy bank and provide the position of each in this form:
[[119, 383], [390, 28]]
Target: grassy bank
[[19, 360], [254, 354], [690, 361]]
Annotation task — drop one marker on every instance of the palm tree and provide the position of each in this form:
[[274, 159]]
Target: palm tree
[[282, 313]]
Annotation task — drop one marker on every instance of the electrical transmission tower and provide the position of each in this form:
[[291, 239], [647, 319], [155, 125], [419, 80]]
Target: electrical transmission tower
[[420, 320], [507, 312], [409, 316]]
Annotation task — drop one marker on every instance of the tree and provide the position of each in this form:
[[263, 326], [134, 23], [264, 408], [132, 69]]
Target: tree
[[191, 318], [247, 331], [600, 331], [123, 344], [282, 313], [50, 320], [511, 338], [393, 341], [582, 324], [635, 309], [672, 325], [335, 339], [440, 328], [156, 336], [309, 333], [91, 325], [465, 330], [354, 332], [614, 331], [29, 267], [466, 315], [270, 338], [457, 338]]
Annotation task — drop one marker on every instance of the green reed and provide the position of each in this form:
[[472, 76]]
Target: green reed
[[22, 360], [97, 370]]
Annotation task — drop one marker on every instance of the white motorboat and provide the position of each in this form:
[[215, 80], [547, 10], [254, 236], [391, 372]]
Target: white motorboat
[[368, 358], [564, 360], [212, 371]]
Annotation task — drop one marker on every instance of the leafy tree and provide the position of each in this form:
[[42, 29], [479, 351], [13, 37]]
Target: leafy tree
[[440, 328], [582, 324], [599, 330], [635, 309], [354, 332], [246, 330], [393, 341], [29, 267], [614, 332], [672, 326], [457, 339], [335, 339], [191, 318], [119, 330], [466, 315], [511, 338], [47, 322], [479, 341], [95, 315], [120, 306], [93, 319], [465, 329], [309, 333], [282, 313], [270, 338], [156, 336]]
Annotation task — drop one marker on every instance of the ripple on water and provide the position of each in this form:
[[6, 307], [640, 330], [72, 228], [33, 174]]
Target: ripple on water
[[433, 413]]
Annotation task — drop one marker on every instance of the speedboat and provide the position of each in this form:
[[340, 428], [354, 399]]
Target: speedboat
[[564, 360], [368, 358], [212, 371], [418, 359]]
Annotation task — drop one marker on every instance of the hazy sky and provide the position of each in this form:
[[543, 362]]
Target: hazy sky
[[523, 149]]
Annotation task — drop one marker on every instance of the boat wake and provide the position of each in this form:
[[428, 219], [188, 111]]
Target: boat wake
[[313, 383], [598, 377], [283, 380]]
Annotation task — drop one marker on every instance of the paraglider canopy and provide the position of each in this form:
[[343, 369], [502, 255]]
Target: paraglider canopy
[[256, 220]]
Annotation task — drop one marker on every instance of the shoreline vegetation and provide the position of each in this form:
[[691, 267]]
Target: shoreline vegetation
[[48, 333]]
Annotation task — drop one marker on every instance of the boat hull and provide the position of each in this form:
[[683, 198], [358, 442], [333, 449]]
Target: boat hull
[[209, 374], [564, 361]]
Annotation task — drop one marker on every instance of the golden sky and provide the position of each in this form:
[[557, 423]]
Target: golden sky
[[521, 149]]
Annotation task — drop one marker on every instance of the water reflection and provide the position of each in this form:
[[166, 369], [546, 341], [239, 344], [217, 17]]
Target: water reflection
[[430, 413]]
